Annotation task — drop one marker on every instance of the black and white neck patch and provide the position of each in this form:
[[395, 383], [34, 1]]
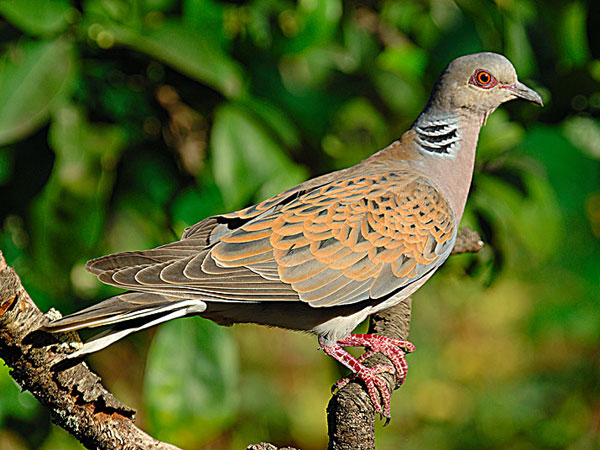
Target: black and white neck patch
[[440, 136]]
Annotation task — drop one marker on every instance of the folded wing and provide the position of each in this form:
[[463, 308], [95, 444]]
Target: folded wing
[[342, 242]]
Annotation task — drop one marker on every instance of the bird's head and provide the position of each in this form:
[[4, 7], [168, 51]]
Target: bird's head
[[480, 83]]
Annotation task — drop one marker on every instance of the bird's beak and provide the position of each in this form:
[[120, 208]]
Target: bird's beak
[[524, 92]]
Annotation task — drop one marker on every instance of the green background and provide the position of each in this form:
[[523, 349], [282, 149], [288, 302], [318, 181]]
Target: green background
[[121, 123]]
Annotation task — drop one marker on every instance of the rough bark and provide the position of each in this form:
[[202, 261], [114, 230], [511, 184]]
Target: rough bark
[[71, 392], [267, 446]]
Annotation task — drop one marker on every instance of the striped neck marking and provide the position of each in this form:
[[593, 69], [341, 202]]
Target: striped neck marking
[[440, 137]]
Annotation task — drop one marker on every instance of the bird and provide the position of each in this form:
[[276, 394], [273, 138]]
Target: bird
[[322, 256]]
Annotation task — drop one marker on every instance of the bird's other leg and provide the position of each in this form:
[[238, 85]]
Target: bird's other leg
[[394, 349]]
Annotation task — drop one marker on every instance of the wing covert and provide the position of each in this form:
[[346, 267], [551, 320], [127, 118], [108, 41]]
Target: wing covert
[[347, 241]]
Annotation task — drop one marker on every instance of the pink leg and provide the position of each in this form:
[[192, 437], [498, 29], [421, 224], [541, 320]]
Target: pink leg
[[394, 349]]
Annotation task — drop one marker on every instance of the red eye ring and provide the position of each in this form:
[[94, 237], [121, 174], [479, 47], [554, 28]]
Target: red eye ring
[[483, 79]]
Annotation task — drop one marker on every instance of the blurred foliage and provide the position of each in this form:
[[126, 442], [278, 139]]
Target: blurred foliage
[[123, 122]]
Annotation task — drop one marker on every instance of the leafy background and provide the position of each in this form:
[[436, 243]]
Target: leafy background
[[121, 123]]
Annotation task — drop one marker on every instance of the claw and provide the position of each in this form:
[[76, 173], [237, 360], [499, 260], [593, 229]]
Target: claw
[[394, 349], [381, 368]]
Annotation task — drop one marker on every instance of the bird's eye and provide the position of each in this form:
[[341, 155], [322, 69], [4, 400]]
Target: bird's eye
[[484, 79]]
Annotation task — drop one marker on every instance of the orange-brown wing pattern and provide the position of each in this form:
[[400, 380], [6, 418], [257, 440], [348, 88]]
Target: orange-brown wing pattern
[[329, 243], [347, 241], [199, 236], [211, 230]]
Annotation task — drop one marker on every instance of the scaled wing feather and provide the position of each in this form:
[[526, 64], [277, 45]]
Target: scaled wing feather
[[367, 236], [330, 242]]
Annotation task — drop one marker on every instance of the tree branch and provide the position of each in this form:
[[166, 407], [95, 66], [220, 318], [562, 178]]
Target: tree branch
[[69, 389]]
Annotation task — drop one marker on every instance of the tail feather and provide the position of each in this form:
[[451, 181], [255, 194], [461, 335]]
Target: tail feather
[[112, 335], [126, 313]]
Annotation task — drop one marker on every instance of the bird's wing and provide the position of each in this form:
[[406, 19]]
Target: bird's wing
[[206, 232], [211, 229], [350, 240], [346, 241]]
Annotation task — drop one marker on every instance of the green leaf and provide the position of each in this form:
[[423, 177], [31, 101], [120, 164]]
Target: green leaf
[[192, 205], [400, 95], [160, 5], [84, 151], [360, 45], [498, 136], [162, 187], [518, 48], [190, 385], [247, 160], [548, 144], [534, 215], [318, 20], [572, 34], [67, 218], [6, 164], [276, 119], [205, 16], [408, 61], [14, 403], [358, 129], [37, 17], [33, 77], [584, 133], [186, 49]]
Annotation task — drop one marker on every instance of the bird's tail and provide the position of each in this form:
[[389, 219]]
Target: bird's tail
[[125, 314]]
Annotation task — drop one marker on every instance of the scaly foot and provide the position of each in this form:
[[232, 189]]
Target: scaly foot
[[394, 349]]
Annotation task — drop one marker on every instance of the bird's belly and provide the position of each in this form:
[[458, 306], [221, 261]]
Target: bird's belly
[[330, 322], [339, 327]]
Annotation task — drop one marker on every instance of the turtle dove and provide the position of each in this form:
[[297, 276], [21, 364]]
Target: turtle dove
[[323, 255]]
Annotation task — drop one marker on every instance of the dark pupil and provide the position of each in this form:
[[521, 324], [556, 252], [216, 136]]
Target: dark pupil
[[484, 77]]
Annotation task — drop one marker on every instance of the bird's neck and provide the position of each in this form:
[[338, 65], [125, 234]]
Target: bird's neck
[[445, 145], [438, 135]]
